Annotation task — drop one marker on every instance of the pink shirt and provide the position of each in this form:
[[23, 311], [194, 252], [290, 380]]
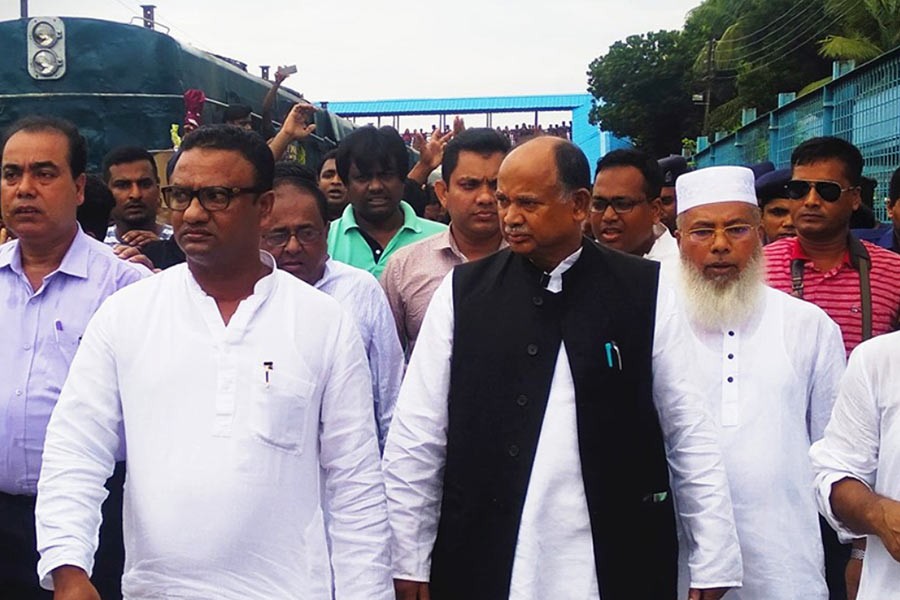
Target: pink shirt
[[411, 277]]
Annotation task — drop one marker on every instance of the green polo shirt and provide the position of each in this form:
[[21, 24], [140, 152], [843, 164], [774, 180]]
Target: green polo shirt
[[347, 244]]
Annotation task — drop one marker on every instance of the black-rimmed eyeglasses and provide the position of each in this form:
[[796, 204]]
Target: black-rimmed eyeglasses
[[212, 198]]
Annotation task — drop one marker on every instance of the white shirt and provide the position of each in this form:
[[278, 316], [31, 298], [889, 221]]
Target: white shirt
[[362, 296], [770, 384], [665, 252], [415, 455], [862, 441], [226, 456]]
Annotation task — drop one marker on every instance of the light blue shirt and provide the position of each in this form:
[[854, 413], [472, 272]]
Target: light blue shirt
[[39, 334]]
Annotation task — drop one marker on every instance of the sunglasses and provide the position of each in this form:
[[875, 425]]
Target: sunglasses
[[829, 191]]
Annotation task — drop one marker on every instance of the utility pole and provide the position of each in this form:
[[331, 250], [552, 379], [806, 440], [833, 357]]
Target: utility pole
[[23, 8], [709, 83]]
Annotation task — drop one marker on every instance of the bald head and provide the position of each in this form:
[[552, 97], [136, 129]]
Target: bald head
[[543, 197]]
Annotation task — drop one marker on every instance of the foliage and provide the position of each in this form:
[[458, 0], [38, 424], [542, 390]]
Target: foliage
[[643, 88], [763, 47]]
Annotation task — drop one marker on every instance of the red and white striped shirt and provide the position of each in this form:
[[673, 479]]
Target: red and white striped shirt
[[836, 291]]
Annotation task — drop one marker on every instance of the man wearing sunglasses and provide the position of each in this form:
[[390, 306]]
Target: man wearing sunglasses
[[740, 329], [296, 233], [856, 283], [245, 419], [625, 207]]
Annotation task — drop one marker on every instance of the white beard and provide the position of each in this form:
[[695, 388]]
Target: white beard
[[714, 305]]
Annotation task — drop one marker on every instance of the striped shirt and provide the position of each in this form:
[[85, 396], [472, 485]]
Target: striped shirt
[[836, 291]]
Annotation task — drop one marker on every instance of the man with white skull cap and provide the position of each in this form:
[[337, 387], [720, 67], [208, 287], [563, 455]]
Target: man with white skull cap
[[768, 365]]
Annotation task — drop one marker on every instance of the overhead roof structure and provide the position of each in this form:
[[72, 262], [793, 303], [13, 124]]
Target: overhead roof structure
[[593, 142], [459, 106]]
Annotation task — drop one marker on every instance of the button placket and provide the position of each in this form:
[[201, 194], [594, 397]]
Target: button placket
[[225, 389], [730, 366]]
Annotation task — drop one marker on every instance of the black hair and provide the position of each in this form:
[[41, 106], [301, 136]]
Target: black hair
[[574, 172], [330, 155], [309, 186], [247, 143], [629, 157], [482, 140], [894, 187], [77, 154], [93, 213], [289, 168], [823, 148], [235, 112], [127, 154], [369, 148]]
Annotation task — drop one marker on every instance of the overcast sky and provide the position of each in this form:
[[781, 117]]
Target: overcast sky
[[370, 50]]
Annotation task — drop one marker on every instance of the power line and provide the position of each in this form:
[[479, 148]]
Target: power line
[[785, 41], [812, 4], [782, 52]]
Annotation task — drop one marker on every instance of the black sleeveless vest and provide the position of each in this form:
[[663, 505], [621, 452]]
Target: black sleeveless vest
[[507, 335]]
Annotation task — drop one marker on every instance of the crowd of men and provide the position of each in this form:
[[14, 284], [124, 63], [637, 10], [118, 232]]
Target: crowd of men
[[631, 387]]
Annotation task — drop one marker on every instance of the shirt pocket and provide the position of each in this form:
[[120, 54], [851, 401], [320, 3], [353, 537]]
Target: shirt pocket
[[280, 410]]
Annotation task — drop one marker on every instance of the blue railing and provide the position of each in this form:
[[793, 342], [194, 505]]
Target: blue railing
[[861, 106]]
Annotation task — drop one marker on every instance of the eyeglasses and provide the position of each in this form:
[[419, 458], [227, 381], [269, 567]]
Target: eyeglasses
[[829, 191], [281, 237], [620, 205], [734, 233], [212, 198]]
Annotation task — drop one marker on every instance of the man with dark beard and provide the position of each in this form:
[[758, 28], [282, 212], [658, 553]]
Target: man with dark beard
[[133, 180], [768, 366]]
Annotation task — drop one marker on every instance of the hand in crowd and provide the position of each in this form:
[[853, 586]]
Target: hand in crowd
[[139, 237], [431, 152], [852, 575], [887, 525], [707, 594], [72, 583], [280, 76], [134, 254], [411, 590], [297, 124]]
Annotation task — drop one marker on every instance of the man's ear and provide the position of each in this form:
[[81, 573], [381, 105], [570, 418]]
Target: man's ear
[[656, 209], [581, 204], [440, 189], [265, 201], [80, 182]]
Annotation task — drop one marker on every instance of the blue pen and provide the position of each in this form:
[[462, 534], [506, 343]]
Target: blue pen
[[57, 327], [609, 360]]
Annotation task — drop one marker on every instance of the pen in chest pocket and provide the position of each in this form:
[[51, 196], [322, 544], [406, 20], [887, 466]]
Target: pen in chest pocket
[[268, 367], [613, 355]]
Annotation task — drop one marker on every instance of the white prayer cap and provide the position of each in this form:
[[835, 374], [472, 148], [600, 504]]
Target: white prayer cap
[[715, 184]]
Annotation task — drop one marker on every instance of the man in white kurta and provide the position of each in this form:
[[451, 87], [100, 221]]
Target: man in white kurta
[[857, 463], [232, 416], [768, 366], [554, 552]]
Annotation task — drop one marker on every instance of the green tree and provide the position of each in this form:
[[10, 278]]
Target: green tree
[[643, 91], [866, 29]]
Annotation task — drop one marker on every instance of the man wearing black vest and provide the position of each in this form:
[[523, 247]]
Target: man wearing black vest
[[543, 409]]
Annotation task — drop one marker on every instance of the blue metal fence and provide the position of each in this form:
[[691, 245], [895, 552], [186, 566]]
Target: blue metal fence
[[862, 107]]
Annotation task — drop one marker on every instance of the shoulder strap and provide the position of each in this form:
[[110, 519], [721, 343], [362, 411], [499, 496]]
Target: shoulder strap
[[860, 259], [797, 277]]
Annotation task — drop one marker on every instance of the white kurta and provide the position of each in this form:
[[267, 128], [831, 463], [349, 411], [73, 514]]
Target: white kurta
[[665, 252], [555, 512], [363, 298], [770, 384], [862, 441], [230, 432]]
